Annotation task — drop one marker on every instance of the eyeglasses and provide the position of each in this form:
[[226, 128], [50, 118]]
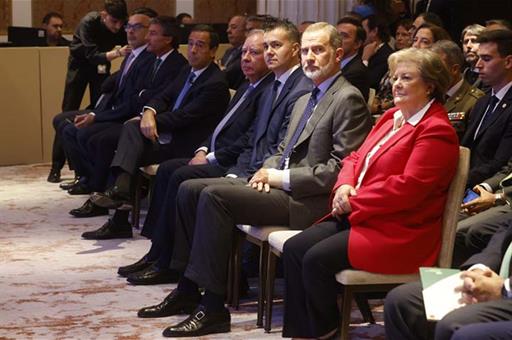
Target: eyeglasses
[[134, 27]]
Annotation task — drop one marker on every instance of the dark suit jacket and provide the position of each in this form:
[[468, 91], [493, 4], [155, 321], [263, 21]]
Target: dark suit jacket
[[378, 65], [492, 255], [199, 112], [118, 105], [491, 149], [166, 74], [357, 74], [337, 127], [269, 128], [231, 139], [231, 61]]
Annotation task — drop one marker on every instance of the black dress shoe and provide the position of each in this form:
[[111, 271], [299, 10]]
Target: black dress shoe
[[79, 189], [153, 276], [109, 231], [69, 184], [175, 303], [88, 209], [113, 198], [141, 264], [201, 322], [54, 176]]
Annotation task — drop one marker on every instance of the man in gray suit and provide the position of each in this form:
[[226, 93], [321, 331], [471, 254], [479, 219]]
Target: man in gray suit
[[291, 188]]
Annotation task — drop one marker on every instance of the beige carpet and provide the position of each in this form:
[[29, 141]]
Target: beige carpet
[[54, 285]]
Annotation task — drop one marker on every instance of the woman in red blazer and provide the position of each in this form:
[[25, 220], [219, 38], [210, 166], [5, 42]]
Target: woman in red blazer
[[387, 204]]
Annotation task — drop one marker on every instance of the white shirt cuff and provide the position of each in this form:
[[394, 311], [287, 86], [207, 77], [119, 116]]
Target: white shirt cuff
[[231, 176], [147, 108], [92, 114], [211, 158], [486, 186], [478, 266], [506, 285], [202, 148], [279, 178]]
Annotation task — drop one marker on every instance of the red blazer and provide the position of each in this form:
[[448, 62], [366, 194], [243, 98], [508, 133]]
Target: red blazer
[[397, 213]]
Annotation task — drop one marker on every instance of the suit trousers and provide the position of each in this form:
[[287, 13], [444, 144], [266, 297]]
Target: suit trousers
[[498, 330], [135, 150], [474, 232], [75, 146], [208, 211], [404, 315], [60, 121], [160, 223], [310, 260]]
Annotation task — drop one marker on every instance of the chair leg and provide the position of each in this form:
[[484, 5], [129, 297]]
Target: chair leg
[[346, 308], [237, 268], [136, 201], [364, 307], [262, 283], [271, 275]]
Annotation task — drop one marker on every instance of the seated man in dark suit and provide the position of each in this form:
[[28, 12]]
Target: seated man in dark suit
[[291, 188], [376, 48], [62, 120], [461, 96], [94, 146], [352, 67], [116, 106], [489, 131], [487, 314], [230, 61], [172, 124], [245, 157], [470, 48]]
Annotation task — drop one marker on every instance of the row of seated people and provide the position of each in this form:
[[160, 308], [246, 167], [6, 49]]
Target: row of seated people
[[278, 149]]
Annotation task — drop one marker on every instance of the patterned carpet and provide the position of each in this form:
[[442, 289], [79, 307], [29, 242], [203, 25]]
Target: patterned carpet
[[54, 285]]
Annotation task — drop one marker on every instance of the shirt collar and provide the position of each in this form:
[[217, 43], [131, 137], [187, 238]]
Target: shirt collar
[[138, 50], [324, 86], [502, 92], [198, 72], [255, 85], [284, 77], [347, 60], [455, 88], [164, 56], [415, 118]]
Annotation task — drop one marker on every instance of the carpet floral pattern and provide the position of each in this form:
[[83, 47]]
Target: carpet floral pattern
[[55, 285]]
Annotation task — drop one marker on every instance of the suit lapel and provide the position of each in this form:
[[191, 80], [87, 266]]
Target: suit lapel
[[452, 102], [287, 87], [503, 105]]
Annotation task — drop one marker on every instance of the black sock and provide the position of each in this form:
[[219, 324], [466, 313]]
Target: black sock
[[187, 286], [123, 182], [212, 302], [121, 217]]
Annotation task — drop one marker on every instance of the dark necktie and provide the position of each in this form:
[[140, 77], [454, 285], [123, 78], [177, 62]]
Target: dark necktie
[[275, 87], [308, 111], [489, 112], [184, 90], [156, 65]]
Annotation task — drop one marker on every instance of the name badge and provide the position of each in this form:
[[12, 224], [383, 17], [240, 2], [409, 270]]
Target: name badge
[[102, 69]]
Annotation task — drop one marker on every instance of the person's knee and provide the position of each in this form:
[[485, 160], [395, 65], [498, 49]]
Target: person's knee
[[446, 327]]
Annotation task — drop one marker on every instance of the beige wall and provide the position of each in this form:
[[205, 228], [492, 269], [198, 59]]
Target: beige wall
[[31, 91]]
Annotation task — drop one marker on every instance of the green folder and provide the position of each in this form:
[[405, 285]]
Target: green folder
[[430, 275]]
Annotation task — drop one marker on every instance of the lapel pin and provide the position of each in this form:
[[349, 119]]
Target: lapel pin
[[504, 105]]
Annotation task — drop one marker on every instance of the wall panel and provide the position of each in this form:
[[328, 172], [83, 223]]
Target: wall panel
[[5, 15], [210, 11]]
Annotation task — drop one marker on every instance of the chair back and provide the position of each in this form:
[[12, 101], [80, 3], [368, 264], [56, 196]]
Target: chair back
[[452, 208]]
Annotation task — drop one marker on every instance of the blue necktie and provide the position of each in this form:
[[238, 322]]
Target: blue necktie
[[184, 90], [231, 112], [490, 110], [126, 67], [308, 111]]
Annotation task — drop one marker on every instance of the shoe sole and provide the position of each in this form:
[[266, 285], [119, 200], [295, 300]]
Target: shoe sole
[[222, 328]]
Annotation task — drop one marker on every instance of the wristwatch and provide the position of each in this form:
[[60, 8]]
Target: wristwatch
[[498, 199], [506, 293]]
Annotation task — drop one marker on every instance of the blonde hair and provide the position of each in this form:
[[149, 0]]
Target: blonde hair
[[431, 67]]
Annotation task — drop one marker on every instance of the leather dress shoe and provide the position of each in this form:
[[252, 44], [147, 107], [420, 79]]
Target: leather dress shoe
[[79, 189], [54, 176], [175, 303], [201, 322], [68, 184], [109, 231], [88, 209], [153, 276], [113, 198], [141, 264]]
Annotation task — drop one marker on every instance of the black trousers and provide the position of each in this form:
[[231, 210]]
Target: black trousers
[[135, 150], [311, 259], [60, 121], [206, 216], [404, 315], [77, 80], [160, 220]]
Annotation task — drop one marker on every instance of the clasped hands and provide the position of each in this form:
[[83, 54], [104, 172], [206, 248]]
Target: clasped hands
[[480, 285], [83, 120], [341, 203], [260, 180]]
